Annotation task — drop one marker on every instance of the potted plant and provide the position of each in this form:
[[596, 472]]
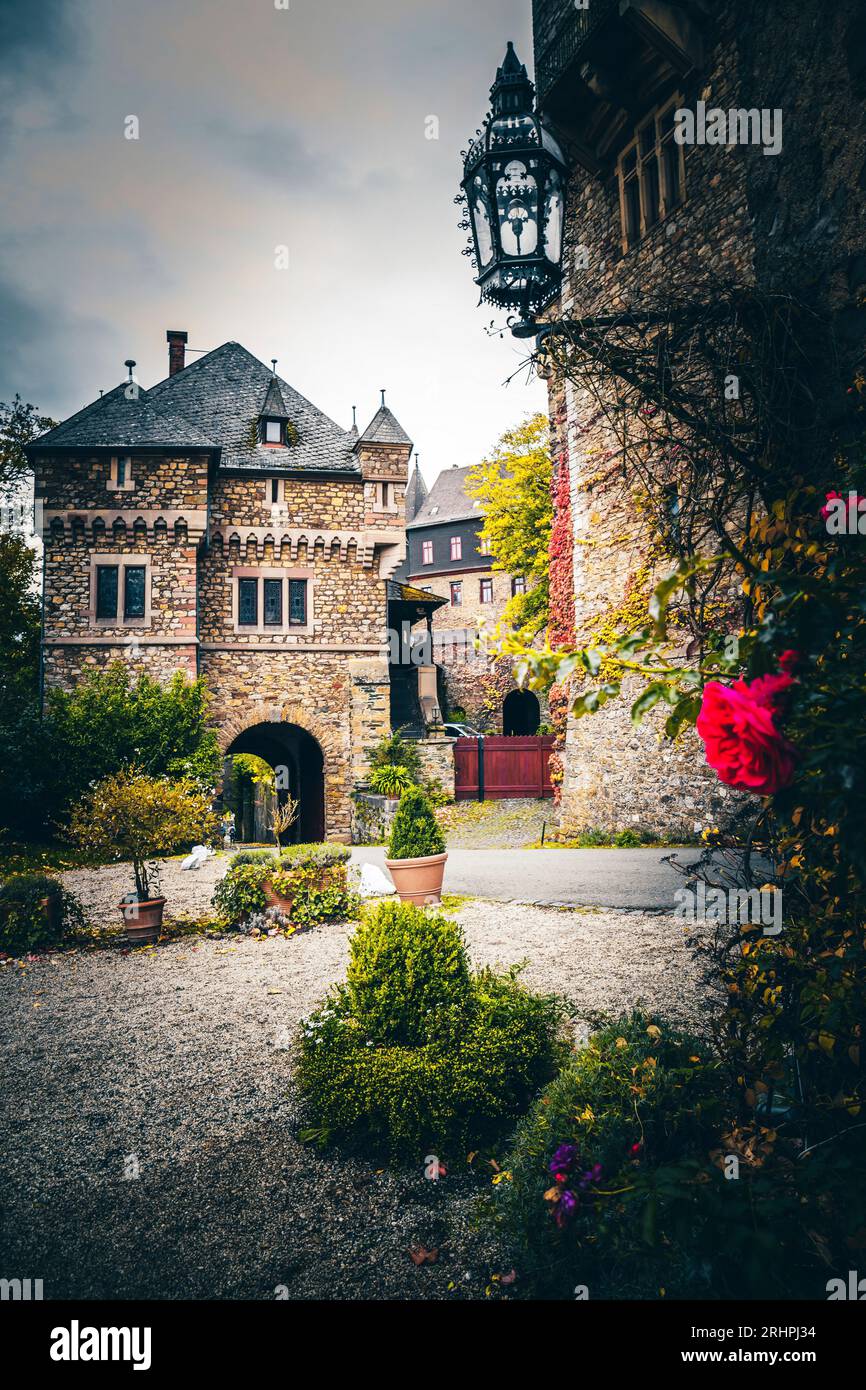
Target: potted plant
[[282, 821], [134, 818], [416, 850], [36, 912]]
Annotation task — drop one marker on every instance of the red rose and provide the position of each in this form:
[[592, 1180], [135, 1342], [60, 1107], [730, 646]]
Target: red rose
[[743, 745], [790, 660], [831, 497]]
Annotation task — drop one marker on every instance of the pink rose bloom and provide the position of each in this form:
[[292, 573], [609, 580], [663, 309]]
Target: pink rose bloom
[[738, 726]]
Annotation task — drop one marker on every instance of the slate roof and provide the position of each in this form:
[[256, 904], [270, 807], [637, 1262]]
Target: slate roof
[[448, 494], [399, 592], [116, 422], [274, 406], [223, 393], [214, 403], [384, 428], [416, 492]]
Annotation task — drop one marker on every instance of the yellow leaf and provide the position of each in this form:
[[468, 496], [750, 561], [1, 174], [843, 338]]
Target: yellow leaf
[[653, 1031], [826, 1042]]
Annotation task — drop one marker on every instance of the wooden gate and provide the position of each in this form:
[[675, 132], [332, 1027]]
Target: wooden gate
[[492, 769]]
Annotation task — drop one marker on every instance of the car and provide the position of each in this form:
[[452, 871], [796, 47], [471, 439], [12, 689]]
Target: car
[[462, 731]]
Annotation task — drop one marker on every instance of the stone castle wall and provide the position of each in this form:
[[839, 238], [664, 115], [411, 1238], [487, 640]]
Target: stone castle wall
[[791, 223], [615, 776], [158, 524], [328, 677], [474, 682]]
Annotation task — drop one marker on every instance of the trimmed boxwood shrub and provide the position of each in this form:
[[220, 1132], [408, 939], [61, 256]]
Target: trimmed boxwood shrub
[[405, 968], [415, 832], [25, 922], [414, 1054], [604, 1170]]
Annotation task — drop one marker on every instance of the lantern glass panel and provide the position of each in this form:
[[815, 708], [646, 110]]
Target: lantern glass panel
[[517, 204], [553, 210], [482, 220]]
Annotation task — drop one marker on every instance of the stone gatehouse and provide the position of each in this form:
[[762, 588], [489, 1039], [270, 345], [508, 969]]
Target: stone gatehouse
[[220, 525]]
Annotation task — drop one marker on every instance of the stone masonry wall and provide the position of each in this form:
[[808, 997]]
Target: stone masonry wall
[[614, 776], [157, 523], [328, 677], [791, 222], [474, 682]]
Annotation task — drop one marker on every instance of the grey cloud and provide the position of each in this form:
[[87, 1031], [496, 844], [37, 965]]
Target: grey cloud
[[38, 353], [33, 33]]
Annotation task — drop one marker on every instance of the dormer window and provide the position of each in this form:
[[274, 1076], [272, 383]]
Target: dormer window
[[274, 427]]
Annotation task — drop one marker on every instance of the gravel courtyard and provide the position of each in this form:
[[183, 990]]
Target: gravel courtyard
[[173, 1064]]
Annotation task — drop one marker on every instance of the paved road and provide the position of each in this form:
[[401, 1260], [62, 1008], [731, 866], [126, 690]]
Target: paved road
[[572, 877]]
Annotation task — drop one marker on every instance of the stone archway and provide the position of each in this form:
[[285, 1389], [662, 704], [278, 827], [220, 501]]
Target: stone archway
[[521, 714], [289, 713], [297, 756]]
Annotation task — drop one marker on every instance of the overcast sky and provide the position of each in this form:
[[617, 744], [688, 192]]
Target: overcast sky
[[259, 128]]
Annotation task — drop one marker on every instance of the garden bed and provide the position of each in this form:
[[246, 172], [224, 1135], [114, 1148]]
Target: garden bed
[[176, 1057]]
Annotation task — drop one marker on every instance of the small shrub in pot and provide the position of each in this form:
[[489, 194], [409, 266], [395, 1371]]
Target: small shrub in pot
[[416, 850], [132, 817]]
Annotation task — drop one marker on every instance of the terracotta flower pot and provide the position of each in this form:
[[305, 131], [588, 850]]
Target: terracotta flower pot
[[419, 880], [143, 920], [274, 899]]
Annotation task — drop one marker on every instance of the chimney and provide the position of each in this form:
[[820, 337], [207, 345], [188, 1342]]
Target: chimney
[[176, 351]]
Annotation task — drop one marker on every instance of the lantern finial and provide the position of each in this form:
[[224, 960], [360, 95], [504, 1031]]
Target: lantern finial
[[512, 91]]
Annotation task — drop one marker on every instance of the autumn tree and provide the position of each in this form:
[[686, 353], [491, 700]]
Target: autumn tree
[[513, 486], [20, 423], [20, 617]]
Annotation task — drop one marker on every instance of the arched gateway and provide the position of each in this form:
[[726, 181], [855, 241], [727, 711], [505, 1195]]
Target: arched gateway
[[520, 713], [297, 758]]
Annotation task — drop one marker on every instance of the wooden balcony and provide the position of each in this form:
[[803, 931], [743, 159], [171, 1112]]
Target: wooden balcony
[[566, 45], [607, 65]]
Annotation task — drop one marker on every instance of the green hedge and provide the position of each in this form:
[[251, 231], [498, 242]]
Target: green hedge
[[25, 924], [416, 1055]]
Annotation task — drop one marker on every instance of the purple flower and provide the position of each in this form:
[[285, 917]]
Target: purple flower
[[564, 1207], [564, 1159], [592, 1175]]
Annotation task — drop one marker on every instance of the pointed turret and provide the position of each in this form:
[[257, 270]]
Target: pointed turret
[[384, 450], [512, 91], [416, 493]]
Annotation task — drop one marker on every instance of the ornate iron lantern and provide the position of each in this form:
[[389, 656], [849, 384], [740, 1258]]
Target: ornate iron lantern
[[514, 188]]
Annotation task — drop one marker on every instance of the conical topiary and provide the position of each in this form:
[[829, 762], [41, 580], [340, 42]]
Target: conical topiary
[[407, 967], [415, 832]]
